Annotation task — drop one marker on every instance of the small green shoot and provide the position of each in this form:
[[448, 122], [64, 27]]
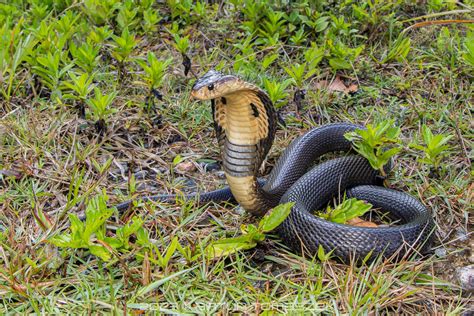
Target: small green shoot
[[252, 234], [150, 20], [182, 45], [50, 70], [79, 87], [347, 210], [84, 234], [155, 71], [100, 107], [399, 50], [373, 142], [313, 56], [122, 50], [434, 147], [86, 56], [299, 73], [276, 91]]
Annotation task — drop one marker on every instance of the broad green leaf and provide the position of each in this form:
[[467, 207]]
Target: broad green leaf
[[275, 217], [100, 251], [63, 240], [347, 210], [386, 155], [339, 63], [142, 237], [229, 246]]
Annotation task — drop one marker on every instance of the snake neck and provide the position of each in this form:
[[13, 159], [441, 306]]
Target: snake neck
[[245, 123]]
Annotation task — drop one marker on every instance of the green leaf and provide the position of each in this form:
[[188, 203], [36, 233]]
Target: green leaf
[[384, 158], [268, 60], [427, 134], [322, 255], [373, 142], [63, 240], [170, 251], [339, 63], [142, 237], [227, 246], [275, 217], [347, 210], [178, 159], [100, 251], [399, 50]]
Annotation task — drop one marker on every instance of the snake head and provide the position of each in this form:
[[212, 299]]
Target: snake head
[[214, 85]]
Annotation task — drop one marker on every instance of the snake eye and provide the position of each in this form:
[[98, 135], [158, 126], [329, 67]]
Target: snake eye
[[210, 87]]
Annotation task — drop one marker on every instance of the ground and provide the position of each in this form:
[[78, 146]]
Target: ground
[[66, 147]]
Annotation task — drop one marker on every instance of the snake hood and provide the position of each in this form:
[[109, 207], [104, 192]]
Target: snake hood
[[245, 124]]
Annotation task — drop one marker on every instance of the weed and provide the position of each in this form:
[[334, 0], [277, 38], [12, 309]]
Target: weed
[[372, 143], [80, 87], [347, 210], [155, 71], [100, 106], [251, 234], [434, 149]]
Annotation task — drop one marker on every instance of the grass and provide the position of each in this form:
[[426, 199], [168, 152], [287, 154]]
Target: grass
[[55, 157]]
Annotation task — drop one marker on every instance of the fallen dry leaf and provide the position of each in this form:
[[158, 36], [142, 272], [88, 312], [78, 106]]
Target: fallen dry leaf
[[357, 221], [336, 85], [185, 167]]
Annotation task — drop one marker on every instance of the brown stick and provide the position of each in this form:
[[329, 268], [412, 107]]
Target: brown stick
[[437, 22]]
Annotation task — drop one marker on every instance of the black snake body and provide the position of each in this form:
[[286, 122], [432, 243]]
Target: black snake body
[[290, 180]]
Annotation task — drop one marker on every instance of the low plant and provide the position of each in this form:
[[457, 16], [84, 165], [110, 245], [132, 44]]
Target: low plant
[[51, 69], [315, 21], [251, 234], [123, 47], [79, 88], [398, 50], [154, 73], [342, 56], [378, 144], [86, 56], [151, 19], [434, 147], [299, 73], [127, 15], [181, 43], [313, 56], [11, 57], [86, 235], [100, 106], [98, 35], [91, 233], [345, 211], [299, 37], [276, 91], [468, 53]]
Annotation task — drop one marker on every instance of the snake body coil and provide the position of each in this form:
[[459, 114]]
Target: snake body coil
[[245, 124]]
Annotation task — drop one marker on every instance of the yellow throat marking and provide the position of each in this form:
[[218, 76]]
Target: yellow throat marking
[[244, 121], [238, 121]]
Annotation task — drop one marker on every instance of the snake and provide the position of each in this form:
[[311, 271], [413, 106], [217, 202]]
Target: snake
[[245, 123]]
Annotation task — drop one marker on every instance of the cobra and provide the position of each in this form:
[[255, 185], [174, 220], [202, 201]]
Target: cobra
[[245, 124]]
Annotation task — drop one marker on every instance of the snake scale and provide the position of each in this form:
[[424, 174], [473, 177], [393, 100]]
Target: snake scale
[[245, 123]]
